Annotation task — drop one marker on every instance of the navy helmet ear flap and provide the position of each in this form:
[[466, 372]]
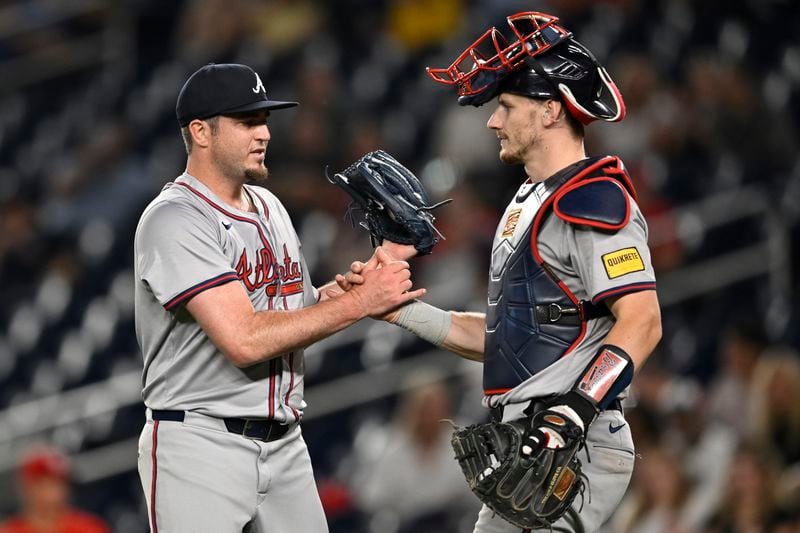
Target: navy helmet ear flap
[[585, 86], [570, 73]]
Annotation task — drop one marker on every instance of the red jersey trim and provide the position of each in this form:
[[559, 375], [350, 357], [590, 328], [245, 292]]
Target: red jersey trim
[[153, 480], [263, 203], [272, 371], [200, 287], [624, 289], [291, 387], [228, 213], [493, 392]]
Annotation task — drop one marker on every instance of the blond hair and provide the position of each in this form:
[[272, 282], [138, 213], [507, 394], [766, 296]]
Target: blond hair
[[778, 363]]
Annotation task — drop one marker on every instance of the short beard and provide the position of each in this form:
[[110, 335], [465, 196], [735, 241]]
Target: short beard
[[510, 158], [235, 170], [257, 176], [516, 157]]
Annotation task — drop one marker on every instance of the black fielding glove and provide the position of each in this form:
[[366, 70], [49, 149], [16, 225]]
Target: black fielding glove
[[515, 469], [394, 204]]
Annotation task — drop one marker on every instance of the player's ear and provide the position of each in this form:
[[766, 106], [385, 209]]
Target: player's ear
[[200, 131], [553, 112]]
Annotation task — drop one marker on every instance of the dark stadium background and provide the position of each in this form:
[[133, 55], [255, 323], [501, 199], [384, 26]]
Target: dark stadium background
[[88, 135]]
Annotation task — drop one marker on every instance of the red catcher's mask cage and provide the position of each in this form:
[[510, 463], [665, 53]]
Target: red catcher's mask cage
[[492, 55]]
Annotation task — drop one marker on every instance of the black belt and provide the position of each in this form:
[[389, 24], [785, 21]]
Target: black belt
[[496, 413], [257, 429], [554, 313]]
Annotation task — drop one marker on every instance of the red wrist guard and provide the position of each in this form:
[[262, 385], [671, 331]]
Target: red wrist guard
[[606, 376]]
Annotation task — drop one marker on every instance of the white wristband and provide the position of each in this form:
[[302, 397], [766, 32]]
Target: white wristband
[[425, 321], [570, 413]]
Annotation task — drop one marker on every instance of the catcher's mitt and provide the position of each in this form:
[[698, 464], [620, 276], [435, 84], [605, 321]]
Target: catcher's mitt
[[393, 202], [510, 468]]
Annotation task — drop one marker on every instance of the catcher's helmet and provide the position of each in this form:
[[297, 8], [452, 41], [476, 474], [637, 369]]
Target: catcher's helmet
[[542, 61]]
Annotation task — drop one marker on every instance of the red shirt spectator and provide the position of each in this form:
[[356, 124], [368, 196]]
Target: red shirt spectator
[[43, 478]]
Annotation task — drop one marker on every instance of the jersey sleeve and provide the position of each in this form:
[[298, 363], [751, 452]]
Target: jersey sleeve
[[613, 264], [179, 253]]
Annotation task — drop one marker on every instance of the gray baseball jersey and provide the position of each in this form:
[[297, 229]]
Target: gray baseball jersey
[[196, 474], [594, 265], [188, 241]]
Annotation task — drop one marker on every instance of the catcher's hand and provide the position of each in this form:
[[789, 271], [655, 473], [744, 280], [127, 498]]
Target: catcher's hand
[[513, 470], [393, 202]]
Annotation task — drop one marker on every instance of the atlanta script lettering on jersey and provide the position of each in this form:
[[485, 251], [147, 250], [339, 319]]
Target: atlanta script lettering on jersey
[[267, 271]]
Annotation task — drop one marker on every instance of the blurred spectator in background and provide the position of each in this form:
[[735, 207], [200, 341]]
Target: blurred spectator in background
[[750, 496], [284, 25], [405, 475], [775, 401], [418, 24], [648, 131], [459, 271], [210, 30], [729, 395], [43, 480], [21, 249], [100, 181], [785, 521], [658, 496], [705, 446]]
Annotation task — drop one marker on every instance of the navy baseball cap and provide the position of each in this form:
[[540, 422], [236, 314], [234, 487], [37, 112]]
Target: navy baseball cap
[[222, 89]]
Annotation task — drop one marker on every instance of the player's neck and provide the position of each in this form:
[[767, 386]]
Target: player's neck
[[551, 156], [229, 191]]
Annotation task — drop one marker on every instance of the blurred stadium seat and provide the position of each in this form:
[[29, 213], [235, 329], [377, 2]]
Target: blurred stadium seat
[[88, 136]]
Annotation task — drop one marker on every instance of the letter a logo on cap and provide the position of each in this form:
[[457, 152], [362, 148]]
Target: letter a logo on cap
[[259, 86]]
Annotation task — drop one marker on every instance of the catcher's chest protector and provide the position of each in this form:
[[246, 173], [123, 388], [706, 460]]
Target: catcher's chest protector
[[518, 345]]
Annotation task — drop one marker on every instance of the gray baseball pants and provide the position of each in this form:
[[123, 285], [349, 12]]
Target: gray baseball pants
[[198, 477]]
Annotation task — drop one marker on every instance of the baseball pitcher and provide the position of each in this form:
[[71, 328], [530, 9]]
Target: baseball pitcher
[[224, 308]]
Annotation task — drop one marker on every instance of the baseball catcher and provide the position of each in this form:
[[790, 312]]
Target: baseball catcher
[[391, 200], [571, 309]]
